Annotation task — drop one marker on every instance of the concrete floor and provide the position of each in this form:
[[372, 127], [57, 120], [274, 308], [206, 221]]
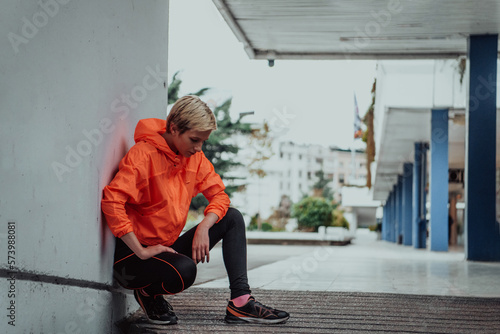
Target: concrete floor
[[367, 265]]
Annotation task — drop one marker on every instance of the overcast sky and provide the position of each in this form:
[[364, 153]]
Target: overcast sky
[[305, 101]]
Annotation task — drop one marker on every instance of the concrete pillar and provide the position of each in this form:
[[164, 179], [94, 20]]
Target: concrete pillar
[[407, 203], [418, 210], [439, 180], [482, 237]]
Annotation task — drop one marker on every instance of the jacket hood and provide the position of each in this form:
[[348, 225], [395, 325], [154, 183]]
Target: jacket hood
[[151, 130]]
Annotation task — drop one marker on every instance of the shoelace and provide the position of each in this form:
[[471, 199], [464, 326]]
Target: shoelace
[[162, 306], [273, 310]]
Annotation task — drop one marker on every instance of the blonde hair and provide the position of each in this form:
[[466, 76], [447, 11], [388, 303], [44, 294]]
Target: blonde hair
[[191, 113]]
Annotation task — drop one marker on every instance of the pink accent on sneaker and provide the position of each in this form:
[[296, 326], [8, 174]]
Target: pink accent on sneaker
[[241, 300], [143, 292]]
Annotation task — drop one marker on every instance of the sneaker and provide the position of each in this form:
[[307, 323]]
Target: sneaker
[[157, 310], [254, 312]]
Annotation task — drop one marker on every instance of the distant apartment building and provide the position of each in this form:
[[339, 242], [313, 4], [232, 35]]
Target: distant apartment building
[[291, 171]]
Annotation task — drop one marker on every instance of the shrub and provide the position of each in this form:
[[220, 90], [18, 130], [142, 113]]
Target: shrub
[[254, 224], [266, 227], [339, 220], [312, 212]]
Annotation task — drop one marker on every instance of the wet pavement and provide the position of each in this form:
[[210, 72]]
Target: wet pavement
[[366, 265], [368, 286]]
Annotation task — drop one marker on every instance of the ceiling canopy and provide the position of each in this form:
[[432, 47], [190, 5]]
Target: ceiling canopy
[[358, 29]]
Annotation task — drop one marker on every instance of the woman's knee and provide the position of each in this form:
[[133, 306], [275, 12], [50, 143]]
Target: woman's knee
[[179, 272], [236, 218], [188, 271]]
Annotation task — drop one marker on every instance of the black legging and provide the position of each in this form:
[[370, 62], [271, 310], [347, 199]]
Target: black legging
[[170, 273]]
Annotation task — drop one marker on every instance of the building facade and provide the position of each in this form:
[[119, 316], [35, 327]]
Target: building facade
[[292, 171]]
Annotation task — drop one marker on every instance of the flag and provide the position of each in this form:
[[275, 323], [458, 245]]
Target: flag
[[358, 132]]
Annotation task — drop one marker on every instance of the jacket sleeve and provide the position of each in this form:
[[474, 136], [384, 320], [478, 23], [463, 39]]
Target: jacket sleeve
[[125, 187], [211, 186]]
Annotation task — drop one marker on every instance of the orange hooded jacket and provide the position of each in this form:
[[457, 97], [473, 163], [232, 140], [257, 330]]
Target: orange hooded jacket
[[151, 193]]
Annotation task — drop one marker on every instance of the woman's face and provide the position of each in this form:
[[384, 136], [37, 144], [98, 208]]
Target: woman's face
[[190, 142]]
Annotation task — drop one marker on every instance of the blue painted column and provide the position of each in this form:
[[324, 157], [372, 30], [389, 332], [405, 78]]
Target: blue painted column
[[424, 222], [399, 216], [384, 223], [407, 203], [482, 237], [389, 217], [394, 229], [439, 181], [397, 209], [418, 208]]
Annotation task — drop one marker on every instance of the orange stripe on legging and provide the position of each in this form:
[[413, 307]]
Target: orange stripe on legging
[[154, 257], [141, 287], [170, 293], [124, 258]]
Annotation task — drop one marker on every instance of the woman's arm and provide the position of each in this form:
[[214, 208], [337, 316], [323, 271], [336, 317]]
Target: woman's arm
[[144, 253]]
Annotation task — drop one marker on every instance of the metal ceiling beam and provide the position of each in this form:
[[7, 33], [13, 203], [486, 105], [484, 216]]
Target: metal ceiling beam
[[235, 27], [356, 56]]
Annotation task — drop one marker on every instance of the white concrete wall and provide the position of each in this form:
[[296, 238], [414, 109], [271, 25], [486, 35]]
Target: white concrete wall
[[76, 76]]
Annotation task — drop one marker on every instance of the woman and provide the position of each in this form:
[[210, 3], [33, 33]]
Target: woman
[[146, 207]]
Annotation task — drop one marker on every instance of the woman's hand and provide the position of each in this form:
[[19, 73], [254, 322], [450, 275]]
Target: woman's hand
[[201, 244], [144, 253], [201, 239], [150, 251]]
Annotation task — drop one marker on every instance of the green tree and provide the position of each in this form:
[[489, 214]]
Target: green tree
[[220, 148], [175, 86]]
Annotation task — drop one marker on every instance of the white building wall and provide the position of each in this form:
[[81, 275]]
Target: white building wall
[[76, 76]]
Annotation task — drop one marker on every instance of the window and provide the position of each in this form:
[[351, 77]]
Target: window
[[341, 178]]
